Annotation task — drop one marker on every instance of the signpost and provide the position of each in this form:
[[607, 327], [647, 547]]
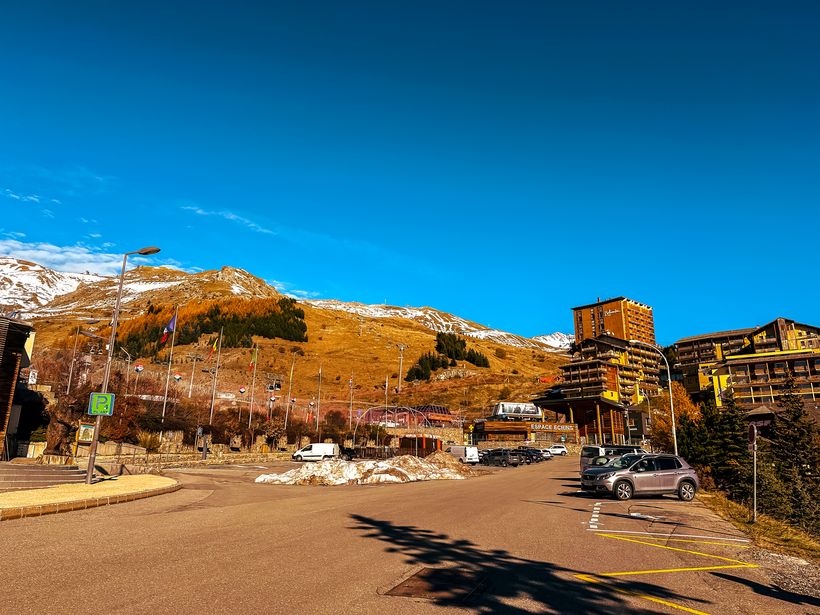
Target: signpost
[[101, 404], [753, 448]]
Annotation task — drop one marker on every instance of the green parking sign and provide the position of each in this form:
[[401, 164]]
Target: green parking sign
[[101, 404]]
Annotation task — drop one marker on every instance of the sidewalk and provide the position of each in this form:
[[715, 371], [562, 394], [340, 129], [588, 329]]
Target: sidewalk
[[64, 498]]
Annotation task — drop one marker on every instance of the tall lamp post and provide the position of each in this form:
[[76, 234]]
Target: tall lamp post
[[668, 382], [92, 453]]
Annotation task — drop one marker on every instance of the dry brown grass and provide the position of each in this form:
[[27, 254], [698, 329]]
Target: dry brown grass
[[768, 533], [343, 344]]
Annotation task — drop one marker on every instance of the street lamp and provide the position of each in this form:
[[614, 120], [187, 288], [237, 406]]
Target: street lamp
[[668, 382], [92, 453]]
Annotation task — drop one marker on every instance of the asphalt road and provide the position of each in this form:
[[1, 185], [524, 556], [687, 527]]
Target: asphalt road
[[517, 540]]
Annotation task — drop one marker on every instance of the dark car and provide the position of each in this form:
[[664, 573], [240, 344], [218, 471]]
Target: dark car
[[347, 453], [503, 457], [529, 455]]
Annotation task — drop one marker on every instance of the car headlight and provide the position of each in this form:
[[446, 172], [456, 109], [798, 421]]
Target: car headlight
[[606, 476]]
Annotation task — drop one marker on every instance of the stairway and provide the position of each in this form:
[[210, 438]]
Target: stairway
[[17, 476]]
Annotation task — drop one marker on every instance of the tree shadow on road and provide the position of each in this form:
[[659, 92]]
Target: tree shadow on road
[[772, 592], [488, 580]]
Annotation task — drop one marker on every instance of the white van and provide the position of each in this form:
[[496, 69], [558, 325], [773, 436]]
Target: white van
[[465, 454], [316, 452]]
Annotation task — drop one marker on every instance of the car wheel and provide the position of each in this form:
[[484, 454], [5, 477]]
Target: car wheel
[[504, 463], [298, 458], [564, 454], [686, 491], [325, 457], [622, 490]]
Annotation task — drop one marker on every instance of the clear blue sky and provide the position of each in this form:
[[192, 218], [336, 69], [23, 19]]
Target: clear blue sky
[[503, 161]]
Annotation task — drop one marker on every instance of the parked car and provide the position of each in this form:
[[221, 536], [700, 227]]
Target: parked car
[[529, 455], [503, 457], [643, 475], [558, 449], [545, 453], [588, 453], [465, 454], [317, 451], [347, 453]]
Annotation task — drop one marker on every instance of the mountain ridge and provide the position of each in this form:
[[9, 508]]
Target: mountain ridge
[[42, 292]]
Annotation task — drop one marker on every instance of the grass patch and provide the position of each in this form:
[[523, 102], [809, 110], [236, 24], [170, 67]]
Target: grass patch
[[768, 533]]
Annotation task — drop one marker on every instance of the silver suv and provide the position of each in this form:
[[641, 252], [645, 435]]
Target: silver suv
[[650, 474]]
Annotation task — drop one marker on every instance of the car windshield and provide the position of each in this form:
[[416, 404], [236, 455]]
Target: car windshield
[[624, 462]]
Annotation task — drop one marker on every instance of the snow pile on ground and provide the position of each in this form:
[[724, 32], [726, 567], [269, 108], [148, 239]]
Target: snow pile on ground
[[402, 469]]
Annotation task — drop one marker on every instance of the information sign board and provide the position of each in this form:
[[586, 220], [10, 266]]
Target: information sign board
[[101, 404]]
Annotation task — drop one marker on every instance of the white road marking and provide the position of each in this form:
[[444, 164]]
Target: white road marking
[[593, 520]]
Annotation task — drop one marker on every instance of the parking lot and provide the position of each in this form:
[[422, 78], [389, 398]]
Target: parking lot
[[512, 540]]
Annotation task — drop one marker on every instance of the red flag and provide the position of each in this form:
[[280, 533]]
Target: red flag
[[168, 329]]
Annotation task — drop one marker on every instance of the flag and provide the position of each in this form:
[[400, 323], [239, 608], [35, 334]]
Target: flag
[[168, 329], [213, 349], [253, 359]]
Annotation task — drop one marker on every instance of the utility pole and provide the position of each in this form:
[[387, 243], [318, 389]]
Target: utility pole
[[319, 401], [253, 386], [350, 412], [215, 377], [73, 357], [401, 363], [290, 390], [196, 358]]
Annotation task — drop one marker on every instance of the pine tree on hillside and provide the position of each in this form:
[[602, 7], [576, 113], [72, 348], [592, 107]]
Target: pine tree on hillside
[[476, 358], [732, 463], [451, 346], [796, 441]]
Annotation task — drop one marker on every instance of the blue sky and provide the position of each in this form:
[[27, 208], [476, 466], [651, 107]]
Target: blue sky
[[503, 161]]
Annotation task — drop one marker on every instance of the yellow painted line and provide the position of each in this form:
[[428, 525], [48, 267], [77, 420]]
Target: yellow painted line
[[598, 578], [672, 605], [678, 549], [701, 542], [662, 570]]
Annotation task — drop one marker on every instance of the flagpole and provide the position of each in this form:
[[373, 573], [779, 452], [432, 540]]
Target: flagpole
[[253, 384], [319, 401], [193, 371], [290, 389], [216, 376], [168, 374]]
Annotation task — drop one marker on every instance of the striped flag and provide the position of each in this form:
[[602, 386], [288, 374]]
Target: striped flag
[[168, 329], [213, 349], [253, 359]]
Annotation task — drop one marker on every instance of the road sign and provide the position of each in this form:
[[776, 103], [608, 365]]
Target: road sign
[[85, 433], [139, 367], [242, 390], [177, 376], [101, 404], [752, 436]]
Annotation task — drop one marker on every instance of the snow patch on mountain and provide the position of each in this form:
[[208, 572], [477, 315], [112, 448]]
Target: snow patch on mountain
[[26, 286], [436, 321], [556, 340]]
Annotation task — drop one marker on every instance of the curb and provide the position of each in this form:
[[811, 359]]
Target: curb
[[39, 510]]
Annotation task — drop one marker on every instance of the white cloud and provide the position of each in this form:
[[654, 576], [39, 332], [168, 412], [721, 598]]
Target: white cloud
[[95, 235], [29, 198], [75, 259], [229, 215], [14, 235], [286, 289], [47, 213]]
